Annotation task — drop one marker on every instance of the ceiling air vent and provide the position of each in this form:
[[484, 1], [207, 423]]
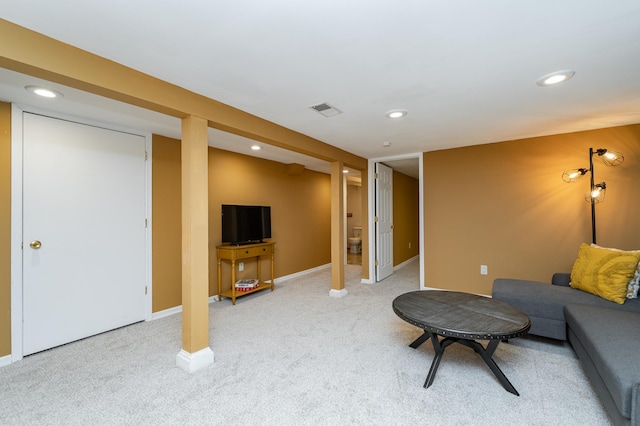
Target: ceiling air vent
[[326, 109]]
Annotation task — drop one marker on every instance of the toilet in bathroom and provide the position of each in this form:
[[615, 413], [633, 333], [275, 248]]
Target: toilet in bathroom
[[356, 241]]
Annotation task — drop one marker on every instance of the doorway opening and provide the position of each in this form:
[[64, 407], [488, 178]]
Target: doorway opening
[[410, 166], [355, 219]]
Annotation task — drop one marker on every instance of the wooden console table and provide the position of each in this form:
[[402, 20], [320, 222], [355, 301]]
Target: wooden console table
[[234, 253]]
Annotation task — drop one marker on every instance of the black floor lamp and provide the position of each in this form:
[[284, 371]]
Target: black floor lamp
[[597, 192]]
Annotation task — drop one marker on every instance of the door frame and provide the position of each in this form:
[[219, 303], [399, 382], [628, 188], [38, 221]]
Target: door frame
[[16, 213], [371, 204], [383, 227]]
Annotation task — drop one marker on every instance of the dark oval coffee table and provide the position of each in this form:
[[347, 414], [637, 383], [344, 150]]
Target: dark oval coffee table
[[462, 318]]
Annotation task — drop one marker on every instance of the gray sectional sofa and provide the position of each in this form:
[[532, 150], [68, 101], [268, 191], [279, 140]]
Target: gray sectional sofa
[[604, 335]]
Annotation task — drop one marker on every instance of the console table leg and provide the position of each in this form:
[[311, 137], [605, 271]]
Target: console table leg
[[219, 280], [233, 282], [273, 281]]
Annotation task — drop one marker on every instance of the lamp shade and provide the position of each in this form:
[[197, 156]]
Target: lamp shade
[[573, 174], [596, 195], [609, 157]]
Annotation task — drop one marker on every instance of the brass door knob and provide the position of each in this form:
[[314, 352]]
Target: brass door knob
[[35, 244]]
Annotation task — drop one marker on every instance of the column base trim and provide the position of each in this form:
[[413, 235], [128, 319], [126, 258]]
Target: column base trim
[[338, 293], [5, 360], [191, 362]]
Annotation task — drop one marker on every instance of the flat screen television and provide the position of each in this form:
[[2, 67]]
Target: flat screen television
[[245, 224]]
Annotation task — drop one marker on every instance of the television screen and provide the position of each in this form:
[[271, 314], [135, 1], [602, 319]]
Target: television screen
[[245, 224]]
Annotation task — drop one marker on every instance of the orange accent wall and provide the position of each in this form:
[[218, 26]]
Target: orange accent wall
[[300, 214], [300, 210], [406, 213], [5, 229], [505, 205]]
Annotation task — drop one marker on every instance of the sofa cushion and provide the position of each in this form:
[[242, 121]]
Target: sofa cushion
[[611, 337], [604, 272], [548, 301], [561, 278], [544, 303]]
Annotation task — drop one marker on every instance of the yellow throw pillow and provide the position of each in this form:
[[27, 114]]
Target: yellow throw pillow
[[604, 272], [632, 288]]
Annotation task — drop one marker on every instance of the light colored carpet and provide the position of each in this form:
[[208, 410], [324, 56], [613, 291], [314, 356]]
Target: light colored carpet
[[296, 357]]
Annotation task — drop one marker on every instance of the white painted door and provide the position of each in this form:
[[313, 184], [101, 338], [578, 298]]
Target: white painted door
[[84, 203], [384, 221]]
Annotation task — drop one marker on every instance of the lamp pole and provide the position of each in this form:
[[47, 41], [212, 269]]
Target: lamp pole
[[596, 192], [593, 204]]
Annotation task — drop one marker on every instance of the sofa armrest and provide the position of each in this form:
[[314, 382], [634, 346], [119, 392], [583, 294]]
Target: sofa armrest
[[561, 278]]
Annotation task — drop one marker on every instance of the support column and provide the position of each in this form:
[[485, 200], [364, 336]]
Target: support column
[[337, 230], [195, 353]]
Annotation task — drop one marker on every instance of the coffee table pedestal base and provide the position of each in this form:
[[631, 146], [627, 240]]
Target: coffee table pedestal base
[[485, 353]]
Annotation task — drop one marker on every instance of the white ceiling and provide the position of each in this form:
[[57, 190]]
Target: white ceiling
[[76, 103], [465, 70]]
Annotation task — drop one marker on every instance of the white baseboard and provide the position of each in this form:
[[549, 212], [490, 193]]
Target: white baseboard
[[406, 262], [302, 273], [176, 310], [166, 312], [433, 288], [191, 362], [395, 268], [212, 299], [5, 360]]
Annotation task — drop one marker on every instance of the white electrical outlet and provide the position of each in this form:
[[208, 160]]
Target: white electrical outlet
[[241, 266], [484, 270]]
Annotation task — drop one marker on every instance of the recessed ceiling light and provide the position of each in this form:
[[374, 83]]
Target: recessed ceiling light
[[345, 171], [255, 147], [396, 113], [44, 92], [386, 144], [555, 78]]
